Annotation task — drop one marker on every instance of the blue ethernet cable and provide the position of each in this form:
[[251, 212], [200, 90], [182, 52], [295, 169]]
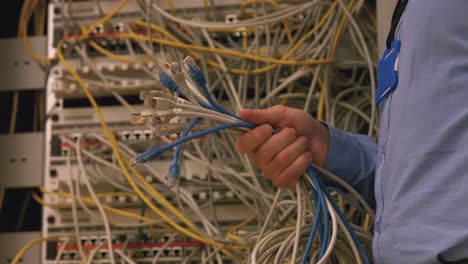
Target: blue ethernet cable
[[325, 213], [311, 172], [144, 157], [321, 208], [173, 173], [313, 231], [172, 86], [320, 222], [319, 192], [205, 105], [169, 83], [350, 229], [198, 77], [323, 226]]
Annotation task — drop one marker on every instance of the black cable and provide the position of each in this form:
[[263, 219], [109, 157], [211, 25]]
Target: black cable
[[397, 14]]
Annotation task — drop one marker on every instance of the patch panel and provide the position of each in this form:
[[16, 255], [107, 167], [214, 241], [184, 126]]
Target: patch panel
[[216, 210]]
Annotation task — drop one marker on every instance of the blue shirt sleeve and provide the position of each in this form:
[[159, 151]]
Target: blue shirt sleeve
[[353, 157]]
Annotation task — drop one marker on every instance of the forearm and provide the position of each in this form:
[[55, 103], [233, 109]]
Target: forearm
[[353, 157]]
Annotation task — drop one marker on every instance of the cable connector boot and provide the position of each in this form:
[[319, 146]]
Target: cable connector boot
[[138, 119], [164, 95], [145, 93], [168, 82], [194, 72], [162, 104], [162, 117], [169, 128], [179, 78], [172, 175]]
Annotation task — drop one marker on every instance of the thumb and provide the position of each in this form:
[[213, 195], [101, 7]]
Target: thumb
[[271, 116]]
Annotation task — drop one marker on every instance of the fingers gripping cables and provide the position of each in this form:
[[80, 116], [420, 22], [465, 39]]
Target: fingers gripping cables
[[164, 108]]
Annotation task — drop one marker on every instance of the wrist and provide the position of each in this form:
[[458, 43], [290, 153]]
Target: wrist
[[320, 143]]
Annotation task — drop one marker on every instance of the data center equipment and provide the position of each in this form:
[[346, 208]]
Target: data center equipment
[[128, 78]]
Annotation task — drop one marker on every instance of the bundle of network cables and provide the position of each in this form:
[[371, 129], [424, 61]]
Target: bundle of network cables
[[316, 55], [187, 97]]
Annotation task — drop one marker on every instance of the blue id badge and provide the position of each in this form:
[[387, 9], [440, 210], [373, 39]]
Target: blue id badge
[[388, 71]]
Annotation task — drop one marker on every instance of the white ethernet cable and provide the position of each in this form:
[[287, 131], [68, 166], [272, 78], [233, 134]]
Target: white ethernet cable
[[232, 91], [93, 253], [292, 240], [179, 78], [59, 255], [368, 59], [298, 74], [346, 108], [96, 201], [277, 16], [298, 221], [74, 209], [124, 256], [185, 195]]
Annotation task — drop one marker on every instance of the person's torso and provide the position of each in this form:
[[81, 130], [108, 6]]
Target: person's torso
[[421, 183]]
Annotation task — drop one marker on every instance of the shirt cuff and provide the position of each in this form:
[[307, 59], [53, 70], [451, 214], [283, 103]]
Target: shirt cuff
[[341, 159], [352, 157]]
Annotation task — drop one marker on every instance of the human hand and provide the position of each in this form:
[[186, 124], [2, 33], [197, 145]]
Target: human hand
[[284, 156]]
